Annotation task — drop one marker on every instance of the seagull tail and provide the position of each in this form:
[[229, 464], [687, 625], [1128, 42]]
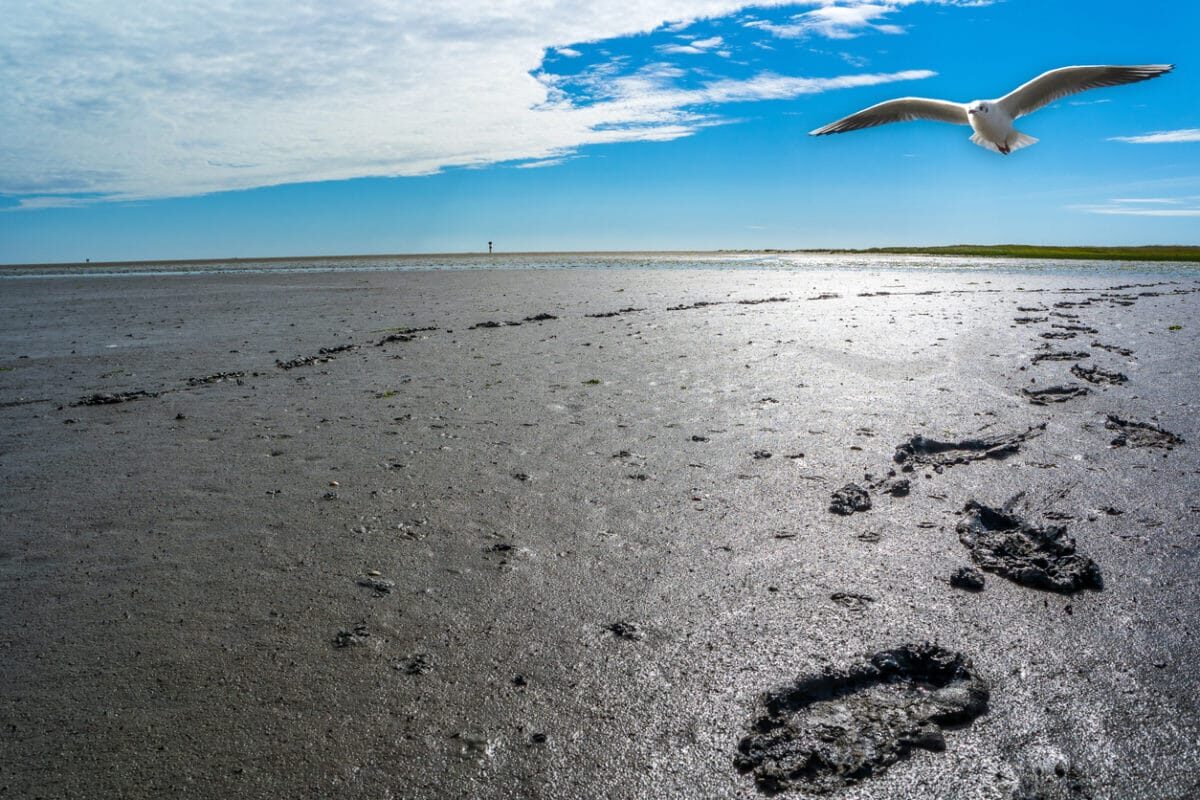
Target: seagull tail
[[1015, 142], [1019, 140]]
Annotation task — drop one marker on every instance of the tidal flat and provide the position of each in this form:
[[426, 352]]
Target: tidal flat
[[567, 533]]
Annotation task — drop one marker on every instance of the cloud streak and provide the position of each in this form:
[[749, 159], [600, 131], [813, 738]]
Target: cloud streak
[[849, 19], [1143, 207], [1162, 137], [170, 98]]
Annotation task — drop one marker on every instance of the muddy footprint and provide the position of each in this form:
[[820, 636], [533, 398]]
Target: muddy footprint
[[1140, 434], [1053, 394], [832, 730], [1098, 376], [923, 451], [1040, 557]]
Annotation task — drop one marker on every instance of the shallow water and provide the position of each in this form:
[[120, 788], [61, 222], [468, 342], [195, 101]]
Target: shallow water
[[657, 260]]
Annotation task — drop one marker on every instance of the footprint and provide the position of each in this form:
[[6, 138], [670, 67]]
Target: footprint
[[1053, 394], [923, 451], [832, 730], [1140, 434], [1098, 376], [1040, 557]]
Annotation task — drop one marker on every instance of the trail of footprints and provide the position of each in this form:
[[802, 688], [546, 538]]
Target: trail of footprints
[[837, 728]]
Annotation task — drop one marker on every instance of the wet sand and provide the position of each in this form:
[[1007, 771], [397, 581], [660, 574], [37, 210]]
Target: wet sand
[[592, 554]]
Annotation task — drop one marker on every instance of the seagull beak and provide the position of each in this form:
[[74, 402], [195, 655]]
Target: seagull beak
[[970, 111]]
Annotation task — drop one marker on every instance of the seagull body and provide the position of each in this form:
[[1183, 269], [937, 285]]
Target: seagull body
[[992, 120]]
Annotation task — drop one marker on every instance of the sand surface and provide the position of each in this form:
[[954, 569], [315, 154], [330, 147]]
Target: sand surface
[[589, 544]]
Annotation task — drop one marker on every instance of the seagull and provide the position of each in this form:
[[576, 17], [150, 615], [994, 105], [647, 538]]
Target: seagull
[[992, 120]]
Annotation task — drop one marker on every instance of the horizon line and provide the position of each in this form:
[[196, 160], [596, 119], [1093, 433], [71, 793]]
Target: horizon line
[[915, 249]]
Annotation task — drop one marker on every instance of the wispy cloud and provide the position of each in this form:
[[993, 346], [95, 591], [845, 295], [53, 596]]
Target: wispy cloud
[[1143, 207], [849, 19], [696, 46], [1162, 137], [172, 98]]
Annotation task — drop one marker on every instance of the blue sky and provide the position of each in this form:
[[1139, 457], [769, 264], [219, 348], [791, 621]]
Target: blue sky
[[211, 129]]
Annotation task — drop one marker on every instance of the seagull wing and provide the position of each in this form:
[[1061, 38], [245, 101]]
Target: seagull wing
[[1058, 83], [904, 109]]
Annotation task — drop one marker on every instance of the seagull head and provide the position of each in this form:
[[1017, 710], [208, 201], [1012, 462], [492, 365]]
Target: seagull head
[[978, 107]]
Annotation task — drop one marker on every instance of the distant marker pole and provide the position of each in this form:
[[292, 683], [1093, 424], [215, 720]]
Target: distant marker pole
[[489, 248]]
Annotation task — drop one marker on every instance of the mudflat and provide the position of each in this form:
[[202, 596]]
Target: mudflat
[[600, 533]]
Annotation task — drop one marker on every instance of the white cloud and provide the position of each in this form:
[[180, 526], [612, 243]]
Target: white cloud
[[848, 19], [1161, 137], [1167, 200], [695, 46], [1141, 207], [172, 98]]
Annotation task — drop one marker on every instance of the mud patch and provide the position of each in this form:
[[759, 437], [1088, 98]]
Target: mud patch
[[617, 313], [403, 335], [1030, 320], [852, 600], [1099, 376], [849, 499], [697, 304], [829, 731], [967, 578], [1112, 348], [1053, 394], [924, 451], [112, 398], [1140, 434], [1061, 355], [629, 631], [762, 300], [324, 355], [219, 377], [1039, 557], [1058, 335]]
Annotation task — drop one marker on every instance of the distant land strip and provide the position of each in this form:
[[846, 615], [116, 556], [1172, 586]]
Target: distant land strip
[[1189, 253], [1145, 253]]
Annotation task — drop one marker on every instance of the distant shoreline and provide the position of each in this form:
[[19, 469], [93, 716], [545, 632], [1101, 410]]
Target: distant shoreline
[[1181, 253]]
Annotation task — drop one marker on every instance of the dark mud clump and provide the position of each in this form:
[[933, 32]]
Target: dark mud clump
[[219, 377], [1040, 557], [923, 451], [112, 398], [629, 631], [1112, 348], [762, 300], [355, 637], [1030, 320], [1061, 355], [1140, 434], [403, 335], [541, 317], [832, 730], [324, 355], [380, 586], [967, 578], [617, 313], [416, 664], [697, 304], [1098, 376], [1053, 394], [1058, 335], [849, 499], [852, 600], [826, 296], [1074, 328]]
